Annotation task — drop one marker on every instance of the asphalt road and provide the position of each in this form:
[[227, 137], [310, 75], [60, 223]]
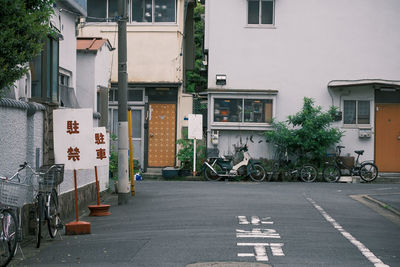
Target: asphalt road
[[278, 224]]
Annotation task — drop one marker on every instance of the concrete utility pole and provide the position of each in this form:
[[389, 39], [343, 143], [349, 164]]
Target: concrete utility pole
[[123, 170]]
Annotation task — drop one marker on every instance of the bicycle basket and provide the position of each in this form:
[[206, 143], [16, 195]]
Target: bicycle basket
[[15, 194], [50, 176]]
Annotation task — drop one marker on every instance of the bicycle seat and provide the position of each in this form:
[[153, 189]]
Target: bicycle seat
[[359, 152]]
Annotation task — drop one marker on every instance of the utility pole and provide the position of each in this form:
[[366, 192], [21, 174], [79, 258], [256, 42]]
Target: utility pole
[[123, 170]]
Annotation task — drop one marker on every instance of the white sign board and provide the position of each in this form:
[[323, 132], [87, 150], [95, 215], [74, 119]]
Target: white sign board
[[195, 126], [100, 146], [73, 138]]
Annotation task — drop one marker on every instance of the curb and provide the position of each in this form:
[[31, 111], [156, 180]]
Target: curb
[[382, 204]]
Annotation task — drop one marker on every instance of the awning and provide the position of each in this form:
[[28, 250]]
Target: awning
[[342, 83]]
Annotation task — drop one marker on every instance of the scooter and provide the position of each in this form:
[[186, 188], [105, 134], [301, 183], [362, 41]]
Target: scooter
[[215, 168]]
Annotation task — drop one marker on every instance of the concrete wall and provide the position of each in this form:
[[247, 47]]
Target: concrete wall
[[20, 135], [86, 87], [102, 69], [311, 43]]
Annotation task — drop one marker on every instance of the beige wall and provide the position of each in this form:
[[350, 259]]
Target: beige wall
[[154, 51]]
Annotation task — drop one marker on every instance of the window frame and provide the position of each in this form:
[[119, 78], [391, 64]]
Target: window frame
[[357, 124], [152, 15], [50, 74], [260, 24], [243, 124], [108, 19]]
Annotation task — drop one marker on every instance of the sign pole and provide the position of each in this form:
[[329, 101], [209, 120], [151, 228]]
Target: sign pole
[[76, 198], [194, 157], [131, 152], [77, 227], [98, 210]]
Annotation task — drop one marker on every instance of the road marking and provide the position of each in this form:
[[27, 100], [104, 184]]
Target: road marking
[[257, 233], [255, 220], [260, 250], [363, 249]]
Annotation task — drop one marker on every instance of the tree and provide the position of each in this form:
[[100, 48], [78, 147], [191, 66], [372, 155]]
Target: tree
[[24, 24], [308, 132], [195, 81]]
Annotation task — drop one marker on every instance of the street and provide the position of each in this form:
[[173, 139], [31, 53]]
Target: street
[[174, 223]]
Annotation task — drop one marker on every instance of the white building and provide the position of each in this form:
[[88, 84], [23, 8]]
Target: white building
[[265, 56]]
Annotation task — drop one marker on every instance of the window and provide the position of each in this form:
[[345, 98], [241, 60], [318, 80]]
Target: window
[[153, 10], [134, 95], [101, 10], [356, 112], [260, 12], [44, 70], [242, 110], [141, 10]]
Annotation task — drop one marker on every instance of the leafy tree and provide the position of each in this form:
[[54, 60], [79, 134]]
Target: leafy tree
[[195, 81], [308, 132], [24, 24]]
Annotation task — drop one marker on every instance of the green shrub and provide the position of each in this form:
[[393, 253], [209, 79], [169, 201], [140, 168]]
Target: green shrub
[[308, 132], [185, 154]]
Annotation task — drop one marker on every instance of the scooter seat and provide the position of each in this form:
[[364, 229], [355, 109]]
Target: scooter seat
[[359, 152]]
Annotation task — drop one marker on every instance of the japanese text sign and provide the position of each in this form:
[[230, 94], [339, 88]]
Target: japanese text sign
[[100, 146], [73, 138]]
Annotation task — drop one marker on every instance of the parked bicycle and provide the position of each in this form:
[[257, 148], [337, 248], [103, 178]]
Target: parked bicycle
[[332, 172], [14, 194], [46, 206], [298, 170]]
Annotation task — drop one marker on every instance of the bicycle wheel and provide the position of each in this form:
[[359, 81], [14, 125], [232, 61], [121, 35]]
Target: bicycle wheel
[[368, 172], [331, 173], [8, 237], [38, 215], [52, 213], [257, 173], [308, 173], [210, 175]]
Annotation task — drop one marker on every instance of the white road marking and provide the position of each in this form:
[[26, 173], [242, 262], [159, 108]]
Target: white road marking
[[243, 220], [261, 251], [255, 220], [257, 233], [363, 249]]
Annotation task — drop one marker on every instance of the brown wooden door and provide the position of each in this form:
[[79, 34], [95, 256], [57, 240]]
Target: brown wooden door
[[161, 151], [387, 139]]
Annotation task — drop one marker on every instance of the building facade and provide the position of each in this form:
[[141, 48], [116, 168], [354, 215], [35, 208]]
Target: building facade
[[157, 45], [265, 56]]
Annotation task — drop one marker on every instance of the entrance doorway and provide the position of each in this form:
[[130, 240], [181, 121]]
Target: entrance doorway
[[161, 146], [387, 138]]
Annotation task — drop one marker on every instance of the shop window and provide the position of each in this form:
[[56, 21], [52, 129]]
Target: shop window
[[242, 110], [356, 112], [260, 12]]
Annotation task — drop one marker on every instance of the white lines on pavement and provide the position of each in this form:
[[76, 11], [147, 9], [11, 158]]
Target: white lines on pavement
[[363, 249], [255, 220], [257, 233], [261, 250]]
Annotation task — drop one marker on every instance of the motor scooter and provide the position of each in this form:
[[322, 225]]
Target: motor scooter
[[215, 168]]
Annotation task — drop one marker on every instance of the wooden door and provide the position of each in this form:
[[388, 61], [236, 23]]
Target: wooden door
[[161, 149], [387, 139]]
